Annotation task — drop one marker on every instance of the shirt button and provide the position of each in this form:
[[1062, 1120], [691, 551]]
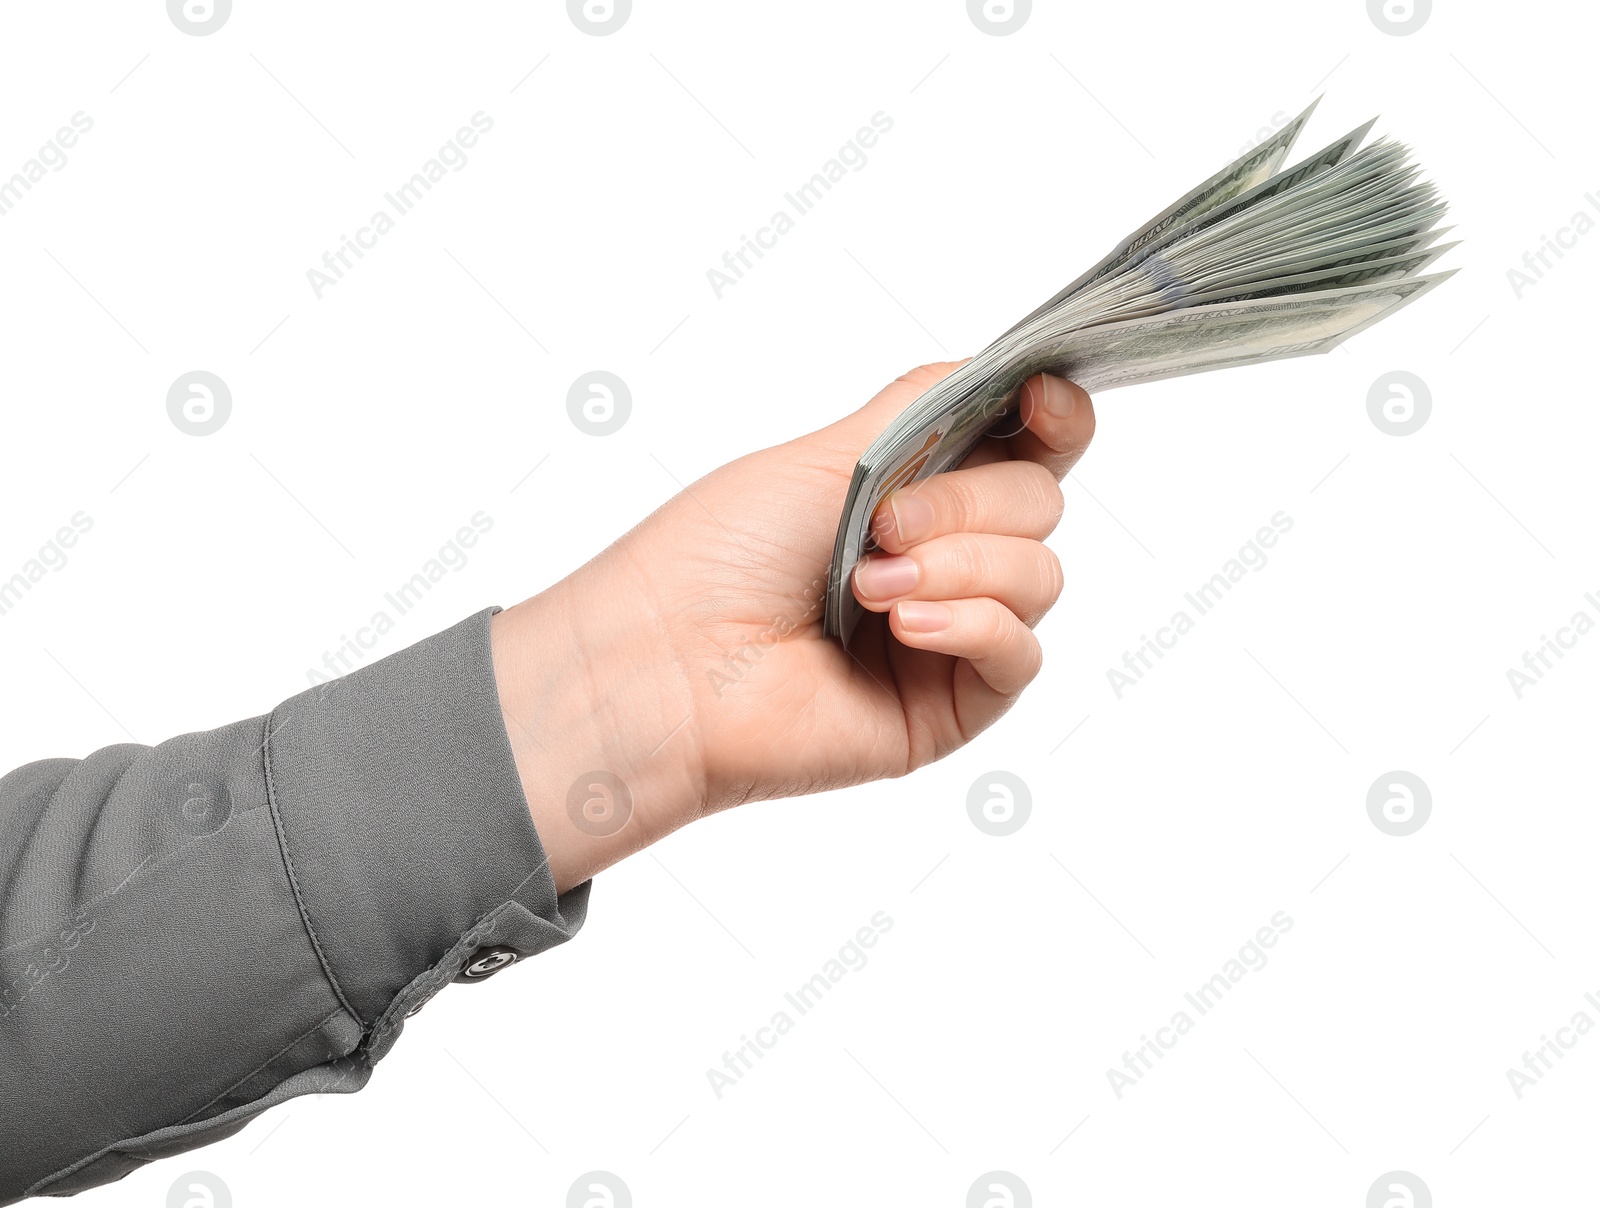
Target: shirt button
[[486, 962]]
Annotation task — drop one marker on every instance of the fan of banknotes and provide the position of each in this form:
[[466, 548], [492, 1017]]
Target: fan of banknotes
[[1256, 264]]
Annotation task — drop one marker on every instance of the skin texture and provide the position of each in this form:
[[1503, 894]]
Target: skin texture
[[684, 670]]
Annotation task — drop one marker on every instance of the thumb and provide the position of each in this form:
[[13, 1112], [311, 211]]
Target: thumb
[[861, 427]]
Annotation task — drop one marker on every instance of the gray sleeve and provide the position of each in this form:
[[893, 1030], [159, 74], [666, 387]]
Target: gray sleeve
[[194, 932]]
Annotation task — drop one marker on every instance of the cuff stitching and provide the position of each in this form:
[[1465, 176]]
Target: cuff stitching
[[294, 882]]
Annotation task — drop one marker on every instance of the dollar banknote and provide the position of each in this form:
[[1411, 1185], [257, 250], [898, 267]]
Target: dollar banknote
[[1258, 263]]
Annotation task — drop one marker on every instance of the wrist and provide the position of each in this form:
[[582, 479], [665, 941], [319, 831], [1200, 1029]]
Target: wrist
[[601, 723]]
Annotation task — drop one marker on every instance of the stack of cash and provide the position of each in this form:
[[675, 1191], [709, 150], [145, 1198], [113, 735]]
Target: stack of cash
[[1256, 264]]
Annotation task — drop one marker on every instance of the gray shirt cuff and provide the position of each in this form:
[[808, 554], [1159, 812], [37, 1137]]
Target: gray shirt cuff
[[193, 932]]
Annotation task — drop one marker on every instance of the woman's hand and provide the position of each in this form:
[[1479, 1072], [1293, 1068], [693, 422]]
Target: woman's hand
[[685, 670]]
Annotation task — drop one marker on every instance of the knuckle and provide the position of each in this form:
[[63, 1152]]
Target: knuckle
[[1054, 578], [1015, 650], [1055, 503], [999, 625], [1048, 583], [960, 503], [1032, 663], [1036, 661], [1088, 420], [967, 566], [1045, 499], [1038, 477]]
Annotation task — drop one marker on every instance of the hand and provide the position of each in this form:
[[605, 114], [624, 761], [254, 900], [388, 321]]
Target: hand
[[688, 660]]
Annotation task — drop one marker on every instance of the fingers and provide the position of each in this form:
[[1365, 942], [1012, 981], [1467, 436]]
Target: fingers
[[962, 571], [992, 492], [1002, 650], [1053, 426], [1059, 421], [1023, 575], [1010, 498]]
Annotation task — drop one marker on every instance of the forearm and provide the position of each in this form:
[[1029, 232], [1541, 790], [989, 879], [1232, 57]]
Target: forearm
[[192, 932], [600, 719]]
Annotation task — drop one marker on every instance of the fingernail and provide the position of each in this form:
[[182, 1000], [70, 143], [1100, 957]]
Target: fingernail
[[913, 516], [924, 616], [885, 578], [1060, 399]]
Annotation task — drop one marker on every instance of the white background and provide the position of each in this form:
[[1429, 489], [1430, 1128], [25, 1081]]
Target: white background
[[1229, 784]]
